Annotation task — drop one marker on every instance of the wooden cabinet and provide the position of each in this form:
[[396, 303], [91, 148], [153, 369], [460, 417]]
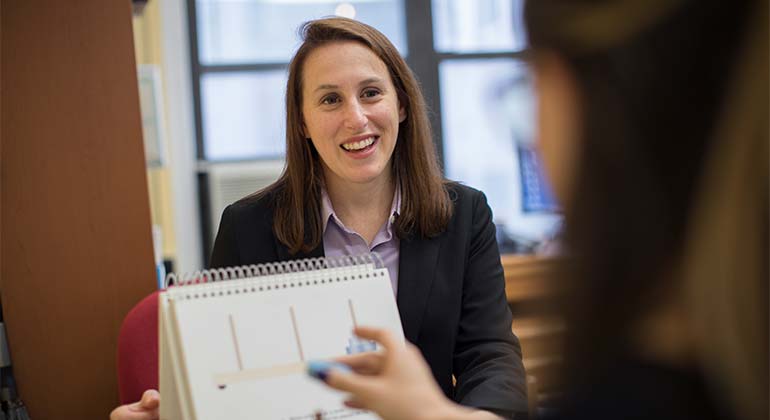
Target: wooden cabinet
[[76, 236]]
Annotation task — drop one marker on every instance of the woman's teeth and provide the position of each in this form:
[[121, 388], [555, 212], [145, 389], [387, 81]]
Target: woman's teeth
[[358, 145]]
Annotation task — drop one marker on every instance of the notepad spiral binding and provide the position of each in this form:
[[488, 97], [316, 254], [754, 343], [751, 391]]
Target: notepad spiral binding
[[271, 269]]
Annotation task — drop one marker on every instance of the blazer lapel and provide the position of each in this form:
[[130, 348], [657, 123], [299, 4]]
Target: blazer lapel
[[416, 271]]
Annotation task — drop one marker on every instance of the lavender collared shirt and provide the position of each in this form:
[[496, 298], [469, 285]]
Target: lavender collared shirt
[[341, 241]]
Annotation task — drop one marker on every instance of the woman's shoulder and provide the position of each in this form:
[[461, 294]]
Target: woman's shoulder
[[258, 200], [469, 207], [461, 194], [260, 203], [245, 234]]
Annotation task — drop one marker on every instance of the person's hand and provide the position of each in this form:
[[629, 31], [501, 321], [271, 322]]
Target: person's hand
[[145, 409], [395, 383]]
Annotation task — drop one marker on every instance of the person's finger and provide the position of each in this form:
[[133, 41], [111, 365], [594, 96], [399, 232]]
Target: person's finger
[[364, 363], [358, 385], [379, 335], [134, 412], [150, 399], [352, 402]]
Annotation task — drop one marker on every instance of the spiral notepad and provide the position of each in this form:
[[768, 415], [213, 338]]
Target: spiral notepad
[[234, 342]]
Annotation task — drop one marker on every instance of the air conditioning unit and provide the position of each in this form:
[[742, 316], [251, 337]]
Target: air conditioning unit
[[229, 182]]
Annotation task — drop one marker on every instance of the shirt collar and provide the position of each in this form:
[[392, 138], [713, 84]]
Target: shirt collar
[[327, 211]]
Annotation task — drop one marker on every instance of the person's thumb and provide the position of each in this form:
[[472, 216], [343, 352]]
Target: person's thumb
[[150, 399]]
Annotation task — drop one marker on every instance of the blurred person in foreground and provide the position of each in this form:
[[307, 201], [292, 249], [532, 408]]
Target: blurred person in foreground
[[653, 125]]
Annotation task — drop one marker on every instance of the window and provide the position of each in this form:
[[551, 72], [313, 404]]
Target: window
[[487, 115], [462, 26], [264, 31], [467, 54], [488, 121], [240, 57]]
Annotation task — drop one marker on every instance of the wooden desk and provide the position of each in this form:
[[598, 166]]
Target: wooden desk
[[528, 279]]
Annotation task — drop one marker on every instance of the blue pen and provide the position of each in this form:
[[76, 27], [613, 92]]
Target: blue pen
[[319, 369]]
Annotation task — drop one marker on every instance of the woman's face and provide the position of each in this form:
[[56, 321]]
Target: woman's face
[[350, 112], [558, 122]]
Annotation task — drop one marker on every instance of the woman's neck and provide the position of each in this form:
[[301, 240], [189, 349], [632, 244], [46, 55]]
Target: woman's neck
[[363, 207]]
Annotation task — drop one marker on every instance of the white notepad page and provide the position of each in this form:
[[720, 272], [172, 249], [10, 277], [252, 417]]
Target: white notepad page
[[243, 351]]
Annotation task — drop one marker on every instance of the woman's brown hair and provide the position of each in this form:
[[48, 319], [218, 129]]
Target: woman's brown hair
[[650, 206], [296, 195]]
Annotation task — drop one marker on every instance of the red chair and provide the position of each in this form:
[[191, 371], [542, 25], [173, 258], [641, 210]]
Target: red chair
[[138, 350]]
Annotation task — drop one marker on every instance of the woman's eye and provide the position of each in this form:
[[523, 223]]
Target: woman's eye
[[370, 93], [330, 100]]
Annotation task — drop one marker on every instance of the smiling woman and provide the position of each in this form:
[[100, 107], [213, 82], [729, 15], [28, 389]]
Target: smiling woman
[[362, 176]]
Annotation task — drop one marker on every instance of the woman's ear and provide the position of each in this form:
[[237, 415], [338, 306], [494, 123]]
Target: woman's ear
[[401, 114]]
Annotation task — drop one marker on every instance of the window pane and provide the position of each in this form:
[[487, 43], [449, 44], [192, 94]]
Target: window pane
[[468, 26], [243, 115], [265, 31], [488, 128]]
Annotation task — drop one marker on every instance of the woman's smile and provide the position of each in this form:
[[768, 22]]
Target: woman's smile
[[361, 147]]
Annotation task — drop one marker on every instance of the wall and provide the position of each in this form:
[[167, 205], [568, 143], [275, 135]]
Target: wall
[[76, 242], [162, 31], [147, 46]]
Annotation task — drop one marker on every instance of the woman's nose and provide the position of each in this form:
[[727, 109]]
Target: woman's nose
[[355, 116]]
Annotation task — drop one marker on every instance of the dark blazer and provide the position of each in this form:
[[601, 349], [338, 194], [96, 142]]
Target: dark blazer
[[451, 296]]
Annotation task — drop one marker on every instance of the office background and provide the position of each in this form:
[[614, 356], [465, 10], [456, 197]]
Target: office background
[[220, 67], [81, 190]]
